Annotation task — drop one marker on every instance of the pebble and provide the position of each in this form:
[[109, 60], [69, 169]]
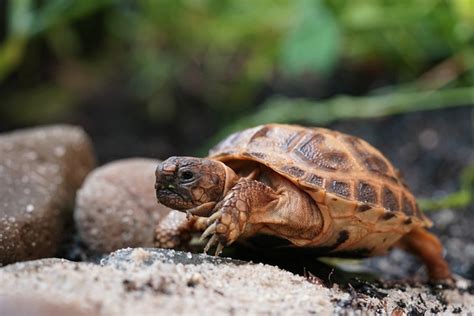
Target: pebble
[[116, 207]]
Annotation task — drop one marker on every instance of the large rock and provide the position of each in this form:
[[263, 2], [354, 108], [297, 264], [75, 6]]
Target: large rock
[[116, 207], [167, 282], [40, 171]]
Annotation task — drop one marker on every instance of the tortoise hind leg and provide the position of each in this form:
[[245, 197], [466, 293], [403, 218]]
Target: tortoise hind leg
[[175, 230], [428, 248]]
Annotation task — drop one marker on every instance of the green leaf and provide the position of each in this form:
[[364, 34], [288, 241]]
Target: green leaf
[[314, 42]]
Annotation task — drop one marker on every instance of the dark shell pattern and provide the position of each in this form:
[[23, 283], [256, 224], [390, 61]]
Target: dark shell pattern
[[342, 173]]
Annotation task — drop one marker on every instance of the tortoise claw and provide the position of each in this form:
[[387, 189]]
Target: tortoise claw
[[189, 215], [210, 230], [213, 217], [211, 242], [219, 248]]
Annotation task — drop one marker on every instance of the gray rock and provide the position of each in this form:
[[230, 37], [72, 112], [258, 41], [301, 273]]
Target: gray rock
[[40, 171], [116, 206], [123, 257], [149, 282]]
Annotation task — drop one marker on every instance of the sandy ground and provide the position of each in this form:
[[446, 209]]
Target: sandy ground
[[152, 281]]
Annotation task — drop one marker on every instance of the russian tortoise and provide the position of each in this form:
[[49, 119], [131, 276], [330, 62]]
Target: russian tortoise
[[315, 187]]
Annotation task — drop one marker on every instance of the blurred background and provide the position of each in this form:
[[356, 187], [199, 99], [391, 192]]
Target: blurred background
[[156, 78]]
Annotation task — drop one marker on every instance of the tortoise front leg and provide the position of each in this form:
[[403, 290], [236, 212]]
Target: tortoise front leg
[[240, 207]]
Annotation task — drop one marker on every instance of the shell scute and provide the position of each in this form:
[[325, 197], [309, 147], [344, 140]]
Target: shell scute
[[314, 180], [294, 171], [407, 207], [366, 192], [389, 200], [340, 188], [315, 150]]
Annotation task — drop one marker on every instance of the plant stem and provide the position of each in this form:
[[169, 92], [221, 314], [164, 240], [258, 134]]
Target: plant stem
[[319, 113]]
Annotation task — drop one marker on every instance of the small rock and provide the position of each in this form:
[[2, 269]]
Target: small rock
[[116, 207], [139, 256], [40, 171]]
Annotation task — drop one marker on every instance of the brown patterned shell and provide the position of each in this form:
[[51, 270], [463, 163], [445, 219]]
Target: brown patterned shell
[[345, 175]]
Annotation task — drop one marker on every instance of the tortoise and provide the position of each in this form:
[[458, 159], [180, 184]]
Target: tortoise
[[313, 187]]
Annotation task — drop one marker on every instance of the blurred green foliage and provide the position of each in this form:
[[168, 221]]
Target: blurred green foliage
[[462, 198], [409, 33], [224, 55], [221, 52], [27, 19], [320, 113]]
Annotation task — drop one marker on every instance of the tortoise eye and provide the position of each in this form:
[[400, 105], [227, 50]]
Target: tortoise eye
[[187, 175]]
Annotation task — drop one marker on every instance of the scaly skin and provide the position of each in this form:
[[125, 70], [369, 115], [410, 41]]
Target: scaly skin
[[240, 206], [175, 230]]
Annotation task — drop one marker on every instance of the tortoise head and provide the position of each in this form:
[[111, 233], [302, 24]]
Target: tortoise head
[[186, 182]]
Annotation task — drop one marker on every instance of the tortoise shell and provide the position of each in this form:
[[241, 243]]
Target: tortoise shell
[[365, 202]]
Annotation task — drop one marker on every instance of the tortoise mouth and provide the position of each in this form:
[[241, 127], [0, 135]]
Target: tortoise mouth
[[168, 192], [172, 198]]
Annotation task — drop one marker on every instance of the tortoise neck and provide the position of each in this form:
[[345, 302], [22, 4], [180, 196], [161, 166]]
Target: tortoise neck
[[231, 178]]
